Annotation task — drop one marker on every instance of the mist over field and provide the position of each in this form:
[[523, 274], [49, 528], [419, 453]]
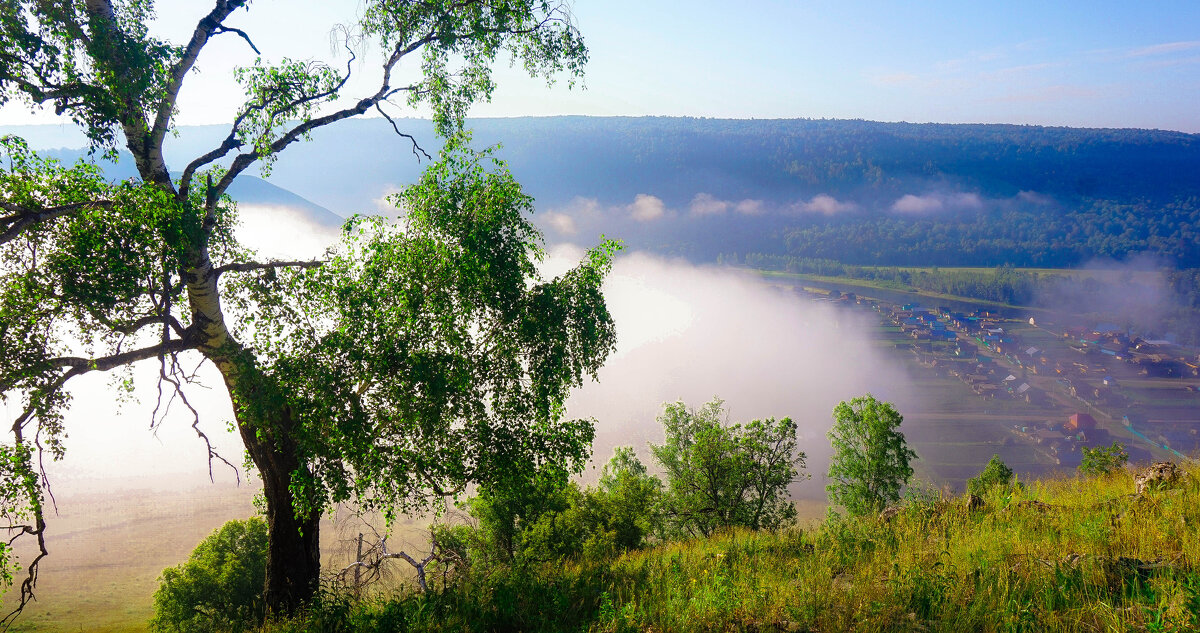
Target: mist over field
[[1131, 295], [692, 333], [684, 332]]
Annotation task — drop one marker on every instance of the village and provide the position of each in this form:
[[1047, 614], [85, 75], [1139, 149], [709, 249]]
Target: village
[[1081, 386]]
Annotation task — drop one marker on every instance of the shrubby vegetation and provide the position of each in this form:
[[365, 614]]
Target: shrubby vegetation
[[1103, 460], [996, 475], [550, 517], [720, 475], [1063, 555], [220, 587]]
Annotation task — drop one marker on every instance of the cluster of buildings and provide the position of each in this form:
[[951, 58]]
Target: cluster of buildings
[[1076, 368], [1061, 441], [949, 342]]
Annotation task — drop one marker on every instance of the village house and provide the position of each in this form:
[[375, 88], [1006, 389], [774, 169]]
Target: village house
[[1079, 422]]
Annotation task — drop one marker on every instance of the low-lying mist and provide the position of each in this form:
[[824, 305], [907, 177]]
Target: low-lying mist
[[1131, 295], [684, 333], [693, 333]]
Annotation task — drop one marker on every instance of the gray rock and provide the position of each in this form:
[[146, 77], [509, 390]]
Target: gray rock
[[1157, 476]]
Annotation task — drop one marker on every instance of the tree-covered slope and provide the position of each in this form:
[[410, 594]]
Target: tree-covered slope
[[860, 192]]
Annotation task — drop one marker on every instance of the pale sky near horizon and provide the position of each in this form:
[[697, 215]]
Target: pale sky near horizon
[[1080, 64]]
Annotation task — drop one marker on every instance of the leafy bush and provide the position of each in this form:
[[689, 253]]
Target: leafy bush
[[1103, 460], [995, 474], [721, 475], [628, 500], [505, 514], [220, 587], [550, 517]]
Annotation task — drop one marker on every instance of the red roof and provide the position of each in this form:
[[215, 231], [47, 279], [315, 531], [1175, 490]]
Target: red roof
[[1081, 422]]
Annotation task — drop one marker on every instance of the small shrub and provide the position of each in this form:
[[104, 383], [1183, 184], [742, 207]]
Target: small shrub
[[1103, 460], [996, 474], [550, 517], [220, 587]]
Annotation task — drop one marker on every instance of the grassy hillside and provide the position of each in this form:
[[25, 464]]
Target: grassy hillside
[[1065, 554]]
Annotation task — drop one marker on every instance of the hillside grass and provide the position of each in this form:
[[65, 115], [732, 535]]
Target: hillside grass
[[1062, 554]]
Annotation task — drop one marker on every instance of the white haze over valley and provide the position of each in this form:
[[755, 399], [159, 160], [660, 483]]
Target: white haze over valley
[[685, 332]]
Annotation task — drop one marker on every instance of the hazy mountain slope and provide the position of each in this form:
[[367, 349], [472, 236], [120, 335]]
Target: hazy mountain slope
[[247, 189], [858, 191]]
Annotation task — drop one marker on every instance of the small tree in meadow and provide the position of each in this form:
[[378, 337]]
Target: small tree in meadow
[[220, 587], [870, 456], [1103, 459], [721, 475], [995, 474]]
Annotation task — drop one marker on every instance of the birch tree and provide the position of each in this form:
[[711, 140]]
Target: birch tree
[[407, 363]]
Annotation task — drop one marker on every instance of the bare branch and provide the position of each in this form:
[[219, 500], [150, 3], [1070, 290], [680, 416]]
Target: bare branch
[[435, 554], [229, 29], [176, 378], [415, 147], [246, 159], [31, 573]]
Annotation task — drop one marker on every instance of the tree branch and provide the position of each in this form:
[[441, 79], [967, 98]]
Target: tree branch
[[176, 378], [79, 366], [246, 159], [24, 217], [252, 266], [204, 30], [229, 29], [415, 147]]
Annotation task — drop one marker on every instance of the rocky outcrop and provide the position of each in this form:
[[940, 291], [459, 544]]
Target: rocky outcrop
[[1157, 476]]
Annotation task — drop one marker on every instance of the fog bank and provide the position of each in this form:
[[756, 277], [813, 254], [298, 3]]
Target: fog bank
[[694, 333], [684, 333]]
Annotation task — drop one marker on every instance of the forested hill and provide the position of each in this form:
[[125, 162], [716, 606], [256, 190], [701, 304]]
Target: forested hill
[[860, 192], [785, 160]]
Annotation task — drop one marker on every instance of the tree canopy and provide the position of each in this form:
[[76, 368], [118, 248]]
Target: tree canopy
[[219, 587], [870, 461], [409, 361], [722, 475]]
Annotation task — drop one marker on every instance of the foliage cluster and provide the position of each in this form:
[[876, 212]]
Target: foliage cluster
[[870, 463], [408, 363], [718, 476], [995, 475], [220, 587], [1103, 460]]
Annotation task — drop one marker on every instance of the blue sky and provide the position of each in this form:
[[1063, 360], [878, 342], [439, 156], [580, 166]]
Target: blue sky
[[1077, 63], [1092, 64]]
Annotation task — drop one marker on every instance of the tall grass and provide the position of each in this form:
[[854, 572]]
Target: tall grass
[[1062, 554]]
